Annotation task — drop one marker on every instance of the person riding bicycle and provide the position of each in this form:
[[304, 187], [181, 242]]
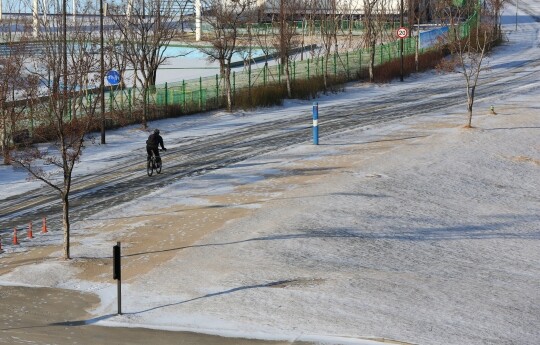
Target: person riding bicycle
[[152, 145]]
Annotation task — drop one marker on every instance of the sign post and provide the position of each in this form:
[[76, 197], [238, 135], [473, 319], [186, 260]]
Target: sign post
[[316, 123], [117, 274], [402, 32]]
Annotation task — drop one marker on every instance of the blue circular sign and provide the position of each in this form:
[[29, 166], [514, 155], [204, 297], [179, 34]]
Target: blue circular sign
[[113, 77]]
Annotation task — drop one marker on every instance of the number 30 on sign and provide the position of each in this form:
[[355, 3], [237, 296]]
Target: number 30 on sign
[[402, 32]]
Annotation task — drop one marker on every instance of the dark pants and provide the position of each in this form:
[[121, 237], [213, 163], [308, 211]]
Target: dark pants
[[155, 150]]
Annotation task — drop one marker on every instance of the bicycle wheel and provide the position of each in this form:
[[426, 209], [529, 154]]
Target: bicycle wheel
[[158, 166], [150, 166]]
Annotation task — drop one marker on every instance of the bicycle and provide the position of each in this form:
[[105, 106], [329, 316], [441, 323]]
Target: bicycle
[[153, 164]]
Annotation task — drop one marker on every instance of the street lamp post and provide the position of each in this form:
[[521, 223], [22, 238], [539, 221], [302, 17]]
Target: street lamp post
[[517, 6], [401, 44]]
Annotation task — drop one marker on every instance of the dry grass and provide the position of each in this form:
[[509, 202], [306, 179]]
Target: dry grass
[[390, 70]]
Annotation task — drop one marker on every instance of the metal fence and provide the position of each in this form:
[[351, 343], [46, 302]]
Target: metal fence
[[124, 105], [205, 93]]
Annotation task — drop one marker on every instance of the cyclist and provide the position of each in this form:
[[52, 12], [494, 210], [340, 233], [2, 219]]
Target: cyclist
[[152, 145]]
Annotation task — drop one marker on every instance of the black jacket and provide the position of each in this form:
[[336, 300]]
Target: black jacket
[[154, 141]]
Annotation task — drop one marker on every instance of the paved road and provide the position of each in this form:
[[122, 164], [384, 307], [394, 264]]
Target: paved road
[[196, 155]]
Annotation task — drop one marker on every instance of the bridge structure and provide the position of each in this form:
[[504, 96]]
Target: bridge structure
[[44, 8]]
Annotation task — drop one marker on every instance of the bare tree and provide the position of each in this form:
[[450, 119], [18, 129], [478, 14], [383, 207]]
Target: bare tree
[[469, 43], [116, 53], [370, 33], [348, 9], [225, 18], [327, 12], [16, 85], [59, 54], [184, 8], [494, 8], [147, 29], [417, 13], [288, 39], [263, 37], [377, 15]]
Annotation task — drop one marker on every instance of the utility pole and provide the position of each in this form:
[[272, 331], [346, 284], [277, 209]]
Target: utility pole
[[102, 73], [517, 6], [401, 43], [282, 57]]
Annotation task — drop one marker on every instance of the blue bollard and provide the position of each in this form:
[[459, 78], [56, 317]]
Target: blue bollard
[[316, 123]]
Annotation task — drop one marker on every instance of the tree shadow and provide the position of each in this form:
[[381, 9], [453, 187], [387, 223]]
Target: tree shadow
[[83, 322], [508, 128], [376, 141], [512, 64], [240, 288], [488, 230], [64, 323]]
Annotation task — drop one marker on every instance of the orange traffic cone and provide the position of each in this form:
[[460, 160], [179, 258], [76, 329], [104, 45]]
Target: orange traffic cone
[[15, 240], [30, 234], [44, 226]]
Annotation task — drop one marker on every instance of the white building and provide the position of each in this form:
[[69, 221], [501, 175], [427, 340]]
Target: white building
[[342, 7]]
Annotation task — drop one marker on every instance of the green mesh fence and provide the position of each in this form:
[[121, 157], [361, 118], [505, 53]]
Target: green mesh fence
[[206, 93]]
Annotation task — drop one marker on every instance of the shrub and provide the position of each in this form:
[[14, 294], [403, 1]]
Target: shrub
[[392, 69], [260, 96]]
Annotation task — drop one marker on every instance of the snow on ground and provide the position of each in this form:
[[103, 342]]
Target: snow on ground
[[416, 230]]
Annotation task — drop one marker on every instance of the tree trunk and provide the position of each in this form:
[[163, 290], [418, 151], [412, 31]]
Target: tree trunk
[[417, 48], [371, 62], [324, 70], [228, 87], [417, 53], [351, 23], [65, 224], [145, 106], [153, 77], [470, 102], [288, 76], [5, 154], [5, 143]]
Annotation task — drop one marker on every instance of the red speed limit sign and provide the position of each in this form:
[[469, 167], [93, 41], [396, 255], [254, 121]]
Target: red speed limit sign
[[402, 32]]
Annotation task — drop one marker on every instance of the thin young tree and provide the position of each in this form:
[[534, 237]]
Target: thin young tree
[[57, 122], [377, 15], [116, 53], [16, 85], [225, 18], [370, 33], [344, 38], [288, 39], [494, 8], [417, 12], [263, 37], [469, 43], [147, 28], [327, 10]]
